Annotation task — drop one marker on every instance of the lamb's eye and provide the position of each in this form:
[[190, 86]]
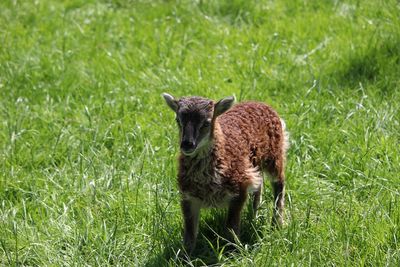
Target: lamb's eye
[[206, 124]]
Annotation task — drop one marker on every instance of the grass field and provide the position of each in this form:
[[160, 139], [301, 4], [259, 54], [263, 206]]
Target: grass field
[[88, 147]]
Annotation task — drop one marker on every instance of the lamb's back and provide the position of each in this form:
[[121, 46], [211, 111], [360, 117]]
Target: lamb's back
[[251, 130]]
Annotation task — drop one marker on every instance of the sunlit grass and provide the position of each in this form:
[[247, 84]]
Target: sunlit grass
[[88, 148]]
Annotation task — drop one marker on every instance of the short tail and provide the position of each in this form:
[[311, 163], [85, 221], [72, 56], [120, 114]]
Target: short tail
[[286, 142]]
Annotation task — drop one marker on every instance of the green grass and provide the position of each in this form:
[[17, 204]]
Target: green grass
[[88, 148]]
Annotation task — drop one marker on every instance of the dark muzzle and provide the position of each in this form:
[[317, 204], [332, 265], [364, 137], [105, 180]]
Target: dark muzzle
[[188, 146]]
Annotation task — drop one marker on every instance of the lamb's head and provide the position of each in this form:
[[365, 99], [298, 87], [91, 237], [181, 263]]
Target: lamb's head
[[195, 117]]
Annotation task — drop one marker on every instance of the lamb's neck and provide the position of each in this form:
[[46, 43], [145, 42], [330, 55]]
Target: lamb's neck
[[218, 140], [204, 154]]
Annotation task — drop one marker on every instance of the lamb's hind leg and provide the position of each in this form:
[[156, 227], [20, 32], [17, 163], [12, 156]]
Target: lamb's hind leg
[[275, 169], [278, 188], [256, 200]]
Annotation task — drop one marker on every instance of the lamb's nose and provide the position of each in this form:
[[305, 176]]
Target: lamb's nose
[[187, 146]]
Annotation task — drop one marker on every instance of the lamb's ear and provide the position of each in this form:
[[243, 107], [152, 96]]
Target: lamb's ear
[[171, 102], [223, 105]]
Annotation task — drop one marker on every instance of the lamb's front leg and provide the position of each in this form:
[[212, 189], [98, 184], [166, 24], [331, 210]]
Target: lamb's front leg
[[191, 212], [235, 208]]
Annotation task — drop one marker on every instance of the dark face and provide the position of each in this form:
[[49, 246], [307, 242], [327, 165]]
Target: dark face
[[195, 130], [194, 116]]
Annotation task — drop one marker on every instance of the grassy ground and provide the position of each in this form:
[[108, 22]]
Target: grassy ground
[[88, 148]]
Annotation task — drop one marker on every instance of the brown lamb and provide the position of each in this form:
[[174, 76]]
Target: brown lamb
[[223, 153]]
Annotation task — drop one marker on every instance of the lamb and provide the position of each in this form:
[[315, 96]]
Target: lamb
[[224, 151]]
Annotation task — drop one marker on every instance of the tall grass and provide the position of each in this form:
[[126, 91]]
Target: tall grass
[[88, 148]]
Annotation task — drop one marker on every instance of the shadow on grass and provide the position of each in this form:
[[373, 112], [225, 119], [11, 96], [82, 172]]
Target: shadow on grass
[[375, 64], [213, 241], [237, 12]]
